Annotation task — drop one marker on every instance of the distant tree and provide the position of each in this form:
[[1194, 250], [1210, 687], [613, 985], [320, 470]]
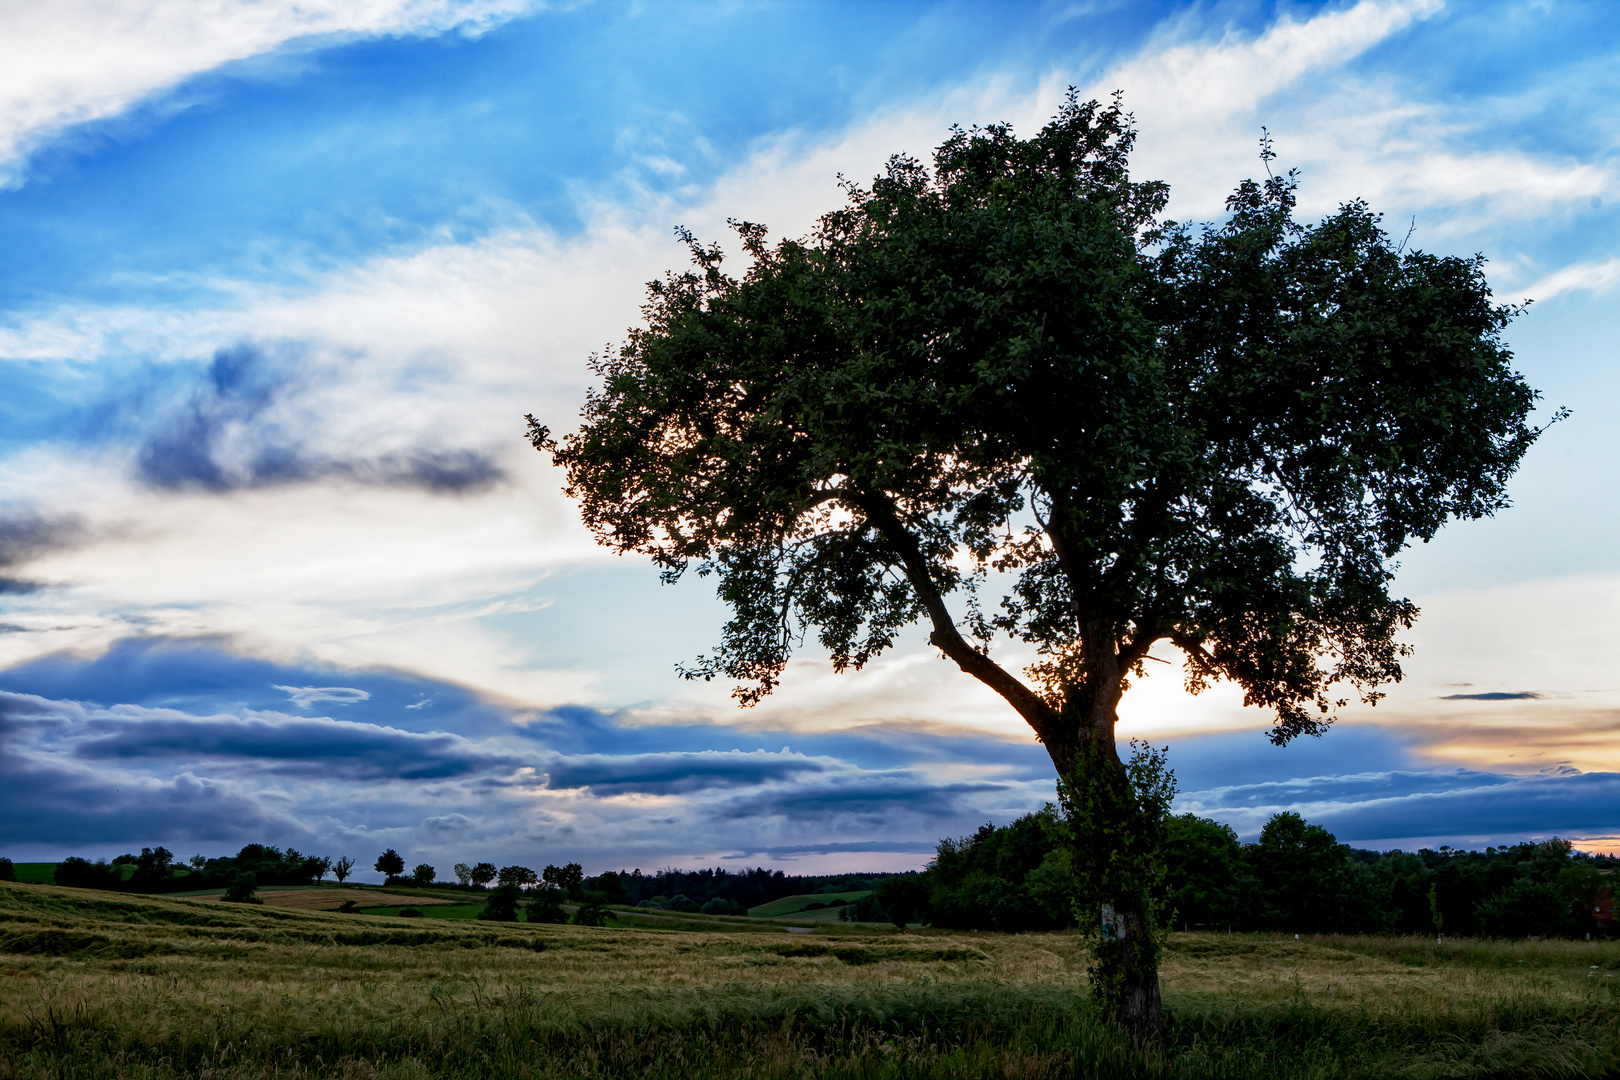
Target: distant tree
[[905, 898], [390, 864], [8, 870], [342, 868], [1204, 872], [502, 904], [593, 911], [1219, 440], [463, 874], [610, 885], [683, 903], [77, 873], [1303, 874], [1526, 908], [241, 890], [569, 878], [197, 862], [483, 874], [151, 868], [865, 909], [516, 876], [423, 875], [323, 866], [545, 906]]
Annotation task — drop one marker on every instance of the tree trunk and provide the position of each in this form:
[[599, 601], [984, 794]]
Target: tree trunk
[[1113, 864]]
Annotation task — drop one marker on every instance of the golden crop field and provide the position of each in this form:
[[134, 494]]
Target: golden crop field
[[108, 985]]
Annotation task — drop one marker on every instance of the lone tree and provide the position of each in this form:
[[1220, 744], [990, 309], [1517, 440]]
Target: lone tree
[[1007, 369], [390, 863]]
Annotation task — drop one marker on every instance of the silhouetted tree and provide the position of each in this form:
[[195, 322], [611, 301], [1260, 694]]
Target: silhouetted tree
[[423, 875], [483, 874], [390, 864], [342, 868], [1221, 440]]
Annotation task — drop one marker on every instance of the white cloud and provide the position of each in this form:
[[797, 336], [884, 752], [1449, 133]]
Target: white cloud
[[305, 696], [67, 62], [1593, 277]]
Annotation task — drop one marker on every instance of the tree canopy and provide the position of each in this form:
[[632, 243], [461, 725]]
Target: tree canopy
[[1006, 368]]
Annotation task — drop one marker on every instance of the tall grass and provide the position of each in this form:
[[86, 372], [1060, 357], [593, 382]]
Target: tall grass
[[92, 986]]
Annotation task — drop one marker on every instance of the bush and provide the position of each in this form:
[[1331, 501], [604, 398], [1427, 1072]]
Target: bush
[[717, 905], [77, 873], [410, 913], [593, 912], [682, 902], [241, 890], [866, 909], [348, 907], [656, 903], [546, 906], [8, 870], [502, 905], [1526, 908]]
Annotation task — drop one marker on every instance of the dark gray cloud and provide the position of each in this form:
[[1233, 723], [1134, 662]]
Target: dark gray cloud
[[677, 773], [328, 748], [222, 438], [24, 536], [1522, 695], [866, 798]]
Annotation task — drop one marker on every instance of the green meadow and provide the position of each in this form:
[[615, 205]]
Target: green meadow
[[103, 985]]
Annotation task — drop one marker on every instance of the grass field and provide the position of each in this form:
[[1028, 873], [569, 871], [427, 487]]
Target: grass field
[[795, 905], [104, 985], [38, 873]]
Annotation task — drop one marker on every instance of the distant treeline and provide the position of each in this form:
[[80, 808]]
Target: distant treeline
[[1297, 878]]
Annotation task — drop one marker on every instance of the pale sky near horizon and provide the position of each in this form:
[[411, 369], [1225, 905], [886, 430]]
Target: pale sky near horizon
[[277, 565]]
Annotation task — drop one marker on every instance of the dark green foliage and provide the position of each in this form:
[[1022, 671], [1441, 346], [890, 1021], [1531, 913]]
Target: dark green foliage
[[610, 885], [241, 890], [410, 913], [906, 898], [990, 880], [77, 873], [682, 902], [593, 911], [502, 904], [348, 907], [8, 870], [390, 864], [1527, 907], [570, 878], [483, 874], [867, 909], [1204, 880], [423, 875], [545, 906], [517, 876]]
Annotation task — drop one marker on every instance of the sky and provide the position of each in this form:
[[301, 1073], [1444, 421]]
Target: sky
[[282, 279]]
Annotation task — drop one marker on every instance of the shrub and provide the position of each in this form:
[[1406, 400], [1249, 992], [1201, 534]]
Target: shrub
[[241, 890], [348, 907], [593, 912], [866, 909], [8, 870], [546, 906], [502, 905], [423, 875], [410, 913], [682, 902]]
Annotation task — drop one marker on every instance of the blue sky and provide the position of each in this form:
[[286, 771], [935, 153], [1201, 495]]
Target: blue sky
[[281, 281]]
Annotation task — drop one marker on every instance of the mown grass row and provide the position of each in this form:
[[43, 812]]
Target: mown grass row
[[235, 994]]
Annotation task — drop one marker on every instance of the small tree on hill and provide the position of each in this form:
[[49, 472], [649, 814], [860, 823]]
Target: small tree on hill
[[241, 890], [1216, 440], [483, 874], [569, 878], [342, 869], [463, 874]]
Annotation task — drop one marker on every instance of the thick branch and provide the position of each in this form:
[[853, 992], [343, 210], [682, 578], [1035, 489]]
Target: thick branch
[[880, 513]]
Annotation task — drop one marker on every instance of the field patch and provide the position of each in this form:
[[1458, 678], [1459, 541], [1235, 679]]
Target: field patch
[[318, 899], [827, 905]]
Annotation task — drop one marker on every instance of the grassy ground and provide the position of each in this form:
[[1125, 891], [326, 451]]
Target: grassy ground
[[39, 873], [97, 985], [793, 905]]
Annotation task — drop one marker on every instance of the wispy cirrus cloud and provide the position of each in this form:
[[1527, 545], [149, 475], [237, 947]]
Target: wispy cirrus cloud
[[71, 62]]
